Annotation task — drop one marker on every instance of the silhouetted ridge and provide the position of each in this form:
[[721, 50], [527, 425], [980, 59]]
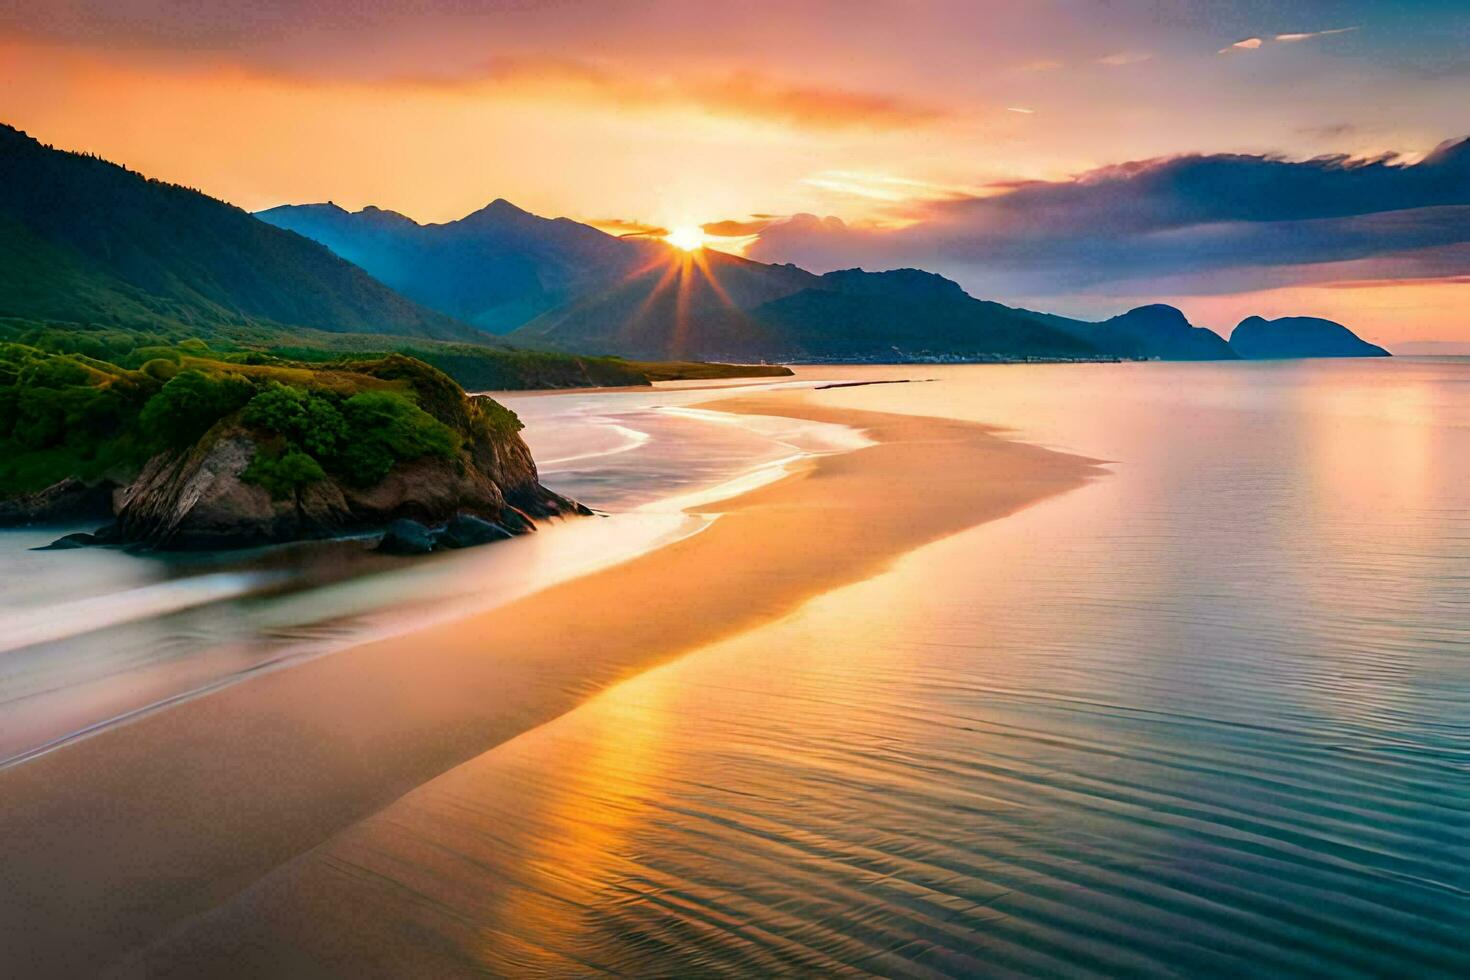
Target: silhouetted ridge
[[1156, 331], [914, 283]]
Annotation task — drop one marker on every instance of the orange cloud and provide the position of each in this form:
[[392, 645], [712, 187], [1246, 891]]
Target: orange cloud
[[744, 94], [1249, 44], [730, 228], [626, 228]]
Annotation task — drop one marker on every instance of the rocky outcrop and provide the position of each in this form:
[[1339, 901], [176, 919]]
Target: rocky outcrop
[[406, 537], [251, 454], [67, 500], [199, 499], [70, 542], [467, 531]]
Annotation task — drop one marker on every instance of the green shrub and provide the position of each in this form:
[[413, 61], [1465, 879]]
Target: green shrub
[[311, 419], [54, 372], [97, 402], [161, 368], [434, 391], [283, 475], [494, 419], [160, 353], [40, 420], [384, 427], [190, 403], [359, 438]]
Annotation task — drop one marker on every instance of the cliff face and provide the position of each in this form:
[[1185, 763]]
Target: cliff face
[[200, 498]]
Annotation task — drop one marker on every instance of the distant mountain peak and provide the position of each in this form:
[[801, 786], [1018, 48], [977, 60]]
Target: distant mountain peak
[[1452, 152], [384, 217], [1155, 330], [498, 209], [1157, 313], [320, 208], [496, 268]]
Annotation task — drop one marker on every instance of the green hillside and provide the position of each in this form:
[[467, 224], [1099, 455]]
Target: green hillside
[[87, 241]]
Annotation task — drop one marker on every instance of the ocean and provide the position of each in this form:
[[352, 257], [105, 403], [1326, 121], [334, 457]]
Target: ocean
[[1207, 714]]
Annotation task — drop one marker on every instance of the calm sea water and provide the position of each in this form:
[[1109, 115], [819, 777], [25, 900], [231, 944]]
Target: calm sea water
[[1210, 715]]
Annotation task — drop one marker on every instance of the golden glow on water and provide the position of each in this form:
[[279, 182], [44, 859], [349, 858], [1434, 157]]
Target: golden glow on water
[[1373, 450], [583, 825], [1199, 717]]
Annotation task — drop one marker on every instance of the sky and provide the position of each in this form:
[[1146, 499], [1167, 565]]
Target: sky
[[1233, 157]]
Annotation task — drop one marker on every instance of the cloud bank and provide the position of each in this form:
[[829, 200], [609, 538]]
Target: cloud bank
[[1194, 224]]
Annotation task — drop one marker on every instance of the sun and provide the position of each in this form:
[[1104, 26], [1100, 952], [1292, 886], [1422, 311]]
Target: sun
[[687, 237]]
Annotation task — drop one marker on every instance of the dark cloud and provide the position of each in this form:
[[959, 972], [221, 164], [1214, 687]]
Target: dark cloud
[[1330, 131], [1201, 218]]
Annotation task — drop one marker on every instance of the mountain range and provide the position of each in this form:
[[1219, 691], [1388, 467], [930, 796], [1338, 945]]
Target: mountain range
[[496, 268], [559, 284], [87, 242]]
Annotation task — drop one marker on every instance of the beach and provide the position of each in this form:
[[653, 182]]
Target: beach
[[135, 834]]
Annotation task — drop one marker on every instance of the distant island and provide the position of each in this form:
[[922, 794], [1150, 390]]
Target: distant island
[[1299, 336]]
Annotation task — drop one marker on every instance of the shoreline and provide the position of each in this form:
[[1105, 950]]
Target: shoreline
[[469, 582], [183, 808]]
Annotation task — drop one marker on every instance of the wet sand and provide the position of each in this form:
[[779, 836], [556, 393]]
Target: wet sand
[[124, 840]]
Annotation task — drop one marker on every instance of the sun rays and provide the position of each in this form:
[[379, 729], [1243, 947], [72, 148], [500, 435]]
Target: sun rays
[[682, 275]]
